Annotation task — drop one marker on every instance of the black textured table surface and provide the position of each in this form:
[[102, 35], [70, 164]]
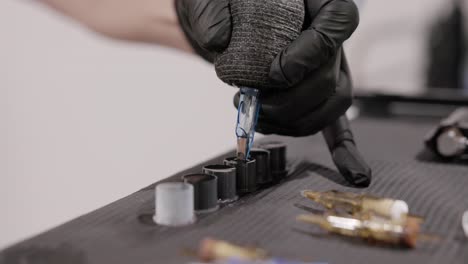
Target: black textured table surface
[[122, 232]]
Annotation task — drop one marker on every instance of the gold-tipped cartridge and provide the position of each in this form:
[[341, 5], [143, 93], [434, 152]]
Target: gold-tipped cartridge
[[358, 204], [211, 249], [375, 229]]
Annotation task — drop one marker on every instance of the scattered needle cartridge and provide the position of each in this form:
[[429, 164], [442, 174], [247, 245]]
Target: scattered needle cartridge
[[396, 210], [378, 229], [211, 250]]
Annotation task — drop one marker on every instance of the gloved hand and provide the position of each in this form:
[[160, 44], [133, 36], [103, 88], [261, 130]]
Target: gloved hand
[[207, 25], [313, 71], [310, 106]]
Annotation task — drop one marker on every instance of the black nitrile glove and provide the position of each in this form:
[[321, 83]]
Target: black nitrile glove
[[310, 106], [207, 25], [313, 71], [348, 160]]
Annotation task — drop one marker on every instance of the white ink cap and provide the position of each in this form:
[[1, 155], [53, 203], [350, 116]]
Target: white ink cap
[[174, 204]]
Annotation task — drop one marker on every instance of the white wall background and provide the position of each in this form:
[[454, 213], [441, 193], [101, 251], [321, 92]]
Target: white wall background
[[389, 50], [85, 120]]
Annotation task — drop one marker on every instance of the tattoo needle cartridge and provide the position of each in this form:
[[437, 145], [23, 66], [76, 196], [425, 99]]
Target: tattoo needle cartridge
[[247, 116], [355, 204], [375, 229]]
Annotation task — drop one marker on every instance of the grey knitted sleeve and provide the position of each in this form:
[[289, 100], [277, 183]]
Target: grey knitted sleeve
[[261, 29]]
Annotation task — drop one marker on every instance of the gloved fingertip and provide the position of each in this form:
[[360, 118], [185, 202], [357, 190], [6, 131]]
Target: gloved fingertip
[[362, 180], [351, 165]]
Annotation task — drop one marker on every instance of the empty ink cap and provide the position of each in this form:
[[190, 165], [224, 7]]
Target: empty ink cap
[[262, 160], [174, 204], [246, 180], [226, 181], [277, 159], [205, 191]]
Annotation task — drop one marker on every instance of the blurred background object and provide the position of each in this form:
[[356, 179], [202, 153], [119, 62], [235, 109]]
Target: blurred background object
[[81, 115], [408, 57], [394, 47]]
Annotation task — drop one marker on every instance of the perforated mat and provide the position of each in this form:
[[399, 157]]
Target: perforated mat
[[122, 232]]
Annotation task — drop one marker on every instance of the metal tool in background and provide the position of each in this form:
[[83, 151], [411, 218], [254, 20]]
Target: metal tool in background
[[449, 140]]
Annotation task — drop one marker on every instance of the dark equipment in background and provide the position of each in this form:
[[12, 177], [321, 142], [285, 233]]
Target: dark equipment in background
[[450, 139], [447, 50]]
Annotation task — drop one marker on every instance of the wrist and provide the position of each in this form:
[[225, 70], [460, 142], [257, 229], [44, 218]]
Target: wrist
[[150, 21], [166, 12], [167, 29]]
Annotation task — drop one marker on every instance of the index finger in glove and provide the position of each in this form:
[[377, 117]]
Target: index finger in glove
[[332, 22]]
